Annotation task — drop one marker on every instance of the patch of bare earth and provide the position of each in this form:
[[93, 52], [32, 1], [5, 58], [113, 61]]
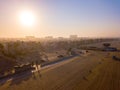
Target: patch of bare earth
[[64, 77], [105, 76]]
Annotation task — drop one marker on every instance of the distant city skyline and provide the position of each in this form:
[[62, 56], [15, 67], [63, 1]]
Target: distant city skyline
[[60, 18]]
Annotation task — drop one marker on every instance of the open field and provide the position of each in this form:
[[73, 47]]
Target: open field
[[105, 76], [59, 44], [95, 71], [65, 76]]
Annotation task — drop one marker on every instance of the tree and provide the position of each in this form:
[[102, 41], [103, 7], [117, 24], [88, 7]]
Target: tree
[[69, 51], [106, 44], [1, 48]]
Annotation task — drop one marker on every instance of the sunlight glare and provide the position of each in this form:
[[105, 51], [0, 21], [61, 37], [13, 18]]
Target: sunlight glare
[[27, 18]]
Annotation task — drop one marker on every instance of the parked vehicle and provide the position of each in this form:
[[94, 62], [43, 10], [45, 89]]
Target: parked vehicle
[[16, 70], [60, 56], [22, 68]]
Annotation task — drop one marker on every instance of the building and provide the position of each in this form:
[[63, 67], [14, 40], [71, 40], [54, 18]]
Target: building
[[73, 37], [30, 37], [49, 37]]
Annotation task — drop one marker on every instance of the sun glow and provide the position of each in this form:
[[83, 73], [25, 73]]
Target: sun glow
[[27, 18]]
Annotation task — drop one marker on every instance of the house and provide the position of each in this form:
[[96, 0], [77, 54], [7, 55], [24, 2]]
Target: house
[[110, 49]]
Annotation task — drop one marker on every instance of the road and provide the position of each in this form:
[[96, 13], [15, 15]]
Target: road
[[47, 66], [64, 75], [96, 71]]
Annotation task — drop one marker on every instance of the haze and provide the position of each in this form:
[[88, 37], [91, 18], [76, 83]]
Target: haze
[[86, 18]]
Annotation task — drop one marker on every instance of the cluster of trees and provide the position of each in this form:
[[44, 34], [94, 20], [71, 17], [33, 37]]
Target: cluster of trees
[[22, 51], [52, 46]]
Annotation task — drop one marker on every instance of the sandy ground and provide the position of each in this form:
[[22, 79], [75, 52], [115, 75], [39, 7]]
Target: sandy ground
[[58, 77], [53, 56], [113, 44], [106, 76], [96, 71]]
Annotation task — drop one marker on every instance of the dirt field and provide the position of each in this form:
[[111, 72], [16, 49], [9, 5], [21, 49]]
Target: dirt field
[[105, 76], [62, 77], [96, 71]]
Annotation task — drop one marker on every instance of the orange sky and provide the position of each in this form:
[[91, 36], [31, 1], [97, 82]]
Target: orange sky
[[61, 18]]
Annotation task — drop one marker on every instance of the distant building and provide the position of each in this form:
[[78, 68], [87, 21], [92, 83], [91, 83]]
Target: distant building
[[61, 38], [110, 49], [49, 37], [30, 37], [73, 37]]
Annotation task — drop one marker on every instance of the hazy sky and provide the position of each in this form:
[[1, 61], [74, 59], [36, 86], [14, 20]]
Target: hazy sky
[[86, 18]]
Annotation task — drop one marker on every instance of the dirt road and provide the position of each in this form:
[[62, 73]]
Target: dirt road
[[64, 76], [96, 71]]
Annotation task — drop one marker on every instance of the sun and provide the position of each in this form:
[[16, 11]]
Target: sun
[[27, 18]]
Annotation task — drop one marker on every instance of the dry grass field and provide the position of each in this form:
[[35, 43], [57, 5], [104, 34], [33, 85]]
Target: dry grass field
[[105, 76], [95, 71]]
